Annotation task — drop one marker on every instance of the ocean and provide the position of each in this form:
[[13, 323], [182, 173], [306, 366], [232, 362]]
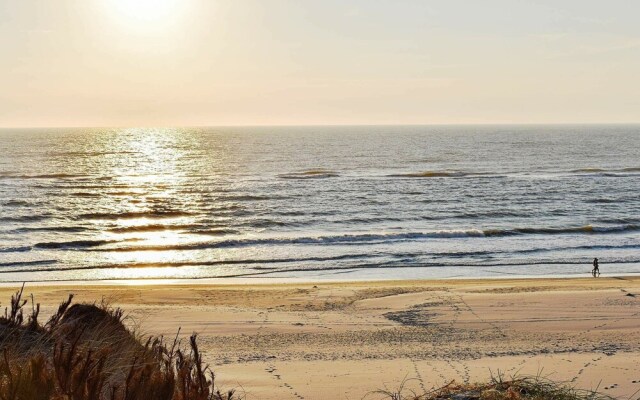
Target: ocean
[[318, 203]]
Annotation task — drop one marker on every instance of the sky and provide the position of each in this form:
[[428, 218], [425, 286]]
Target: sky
[[302, 62]]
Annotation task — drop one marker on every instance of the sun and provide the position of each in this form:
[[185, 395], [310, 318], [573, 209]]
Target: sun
[[145, 15], [145, 10]]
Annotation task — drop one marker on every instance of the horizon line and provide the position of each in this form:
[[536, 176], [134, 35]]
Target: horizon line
[[317, 125]]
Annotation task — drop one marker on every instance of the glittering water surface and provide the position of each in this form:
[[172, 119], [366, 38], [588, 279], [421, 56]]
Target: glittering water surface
[[342, 202]]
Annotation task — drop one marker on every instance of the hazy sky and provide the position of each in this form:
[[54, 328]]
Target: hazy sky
[[245, 62]]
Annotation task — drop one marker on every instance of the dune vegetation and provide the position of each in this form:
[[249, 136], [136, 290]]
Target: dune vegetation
[[86, 352], [499, 388]]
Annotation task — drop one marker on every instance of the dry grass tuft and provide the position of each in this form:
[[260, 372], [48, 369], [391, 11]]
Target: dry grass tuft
[[85, 352], [517, 388]]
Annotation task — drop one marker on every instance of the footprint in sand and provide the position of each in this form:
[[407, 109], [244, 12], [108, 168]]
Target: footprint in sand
[[615, 385], [271, 369]]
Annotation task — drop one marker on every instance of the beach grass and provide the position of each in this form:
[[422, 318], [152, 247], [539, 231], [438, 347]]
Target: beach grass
[[85, 352], [498, 388]]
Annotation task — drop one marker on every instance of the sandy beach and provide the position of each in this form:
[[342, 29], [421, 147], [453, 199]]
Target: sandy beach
[[344, 340]]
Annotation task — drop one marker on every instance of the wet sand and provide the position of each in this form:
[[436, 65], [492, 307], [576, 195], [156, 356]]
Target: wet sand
[[344, 340]]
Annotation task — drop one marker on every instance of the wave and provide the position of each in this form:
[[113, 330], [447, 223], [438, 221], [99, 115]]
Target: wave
[[27, 263], [77, 244], [44, 176], [135, 215], [16, 203], [431, 174], [225, 208], [263, 266], [73, 229], [123, 193], [517, 252], [602, 201], [588, 170], [337, 239], [373, 238], [215, 232], [85, 194], [619, 221], [310, 174], [487, 214], [581, 247], [585, 229], [370, 220], [76, 186], [25, 218], [249, 198], [255, 272], [266, 223], [87, 153], [394, 264], [495, 174], [605, 172], [19, 249], [153, 228], [173, 264], [260, 266]]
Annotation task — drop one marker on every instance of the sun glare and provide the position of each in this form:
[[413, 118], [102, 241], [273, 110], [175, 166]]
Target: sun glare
[[145, 10], [145, 14]]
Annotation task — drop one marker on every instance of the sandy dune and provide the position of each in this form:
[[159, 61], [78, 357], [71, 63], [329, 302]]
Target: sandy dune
[[343, 340]]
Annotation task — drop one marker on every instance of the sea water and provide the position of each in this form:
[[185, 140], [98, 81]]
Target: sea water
[[366, 202]]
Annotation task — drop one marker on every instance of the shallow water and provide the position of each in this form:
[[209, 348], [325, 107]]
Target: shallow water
[[318, 202]]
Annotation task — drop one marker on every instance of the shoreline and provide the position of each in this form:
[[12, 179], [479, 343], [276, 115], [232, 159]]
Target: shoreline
[[261, 280]]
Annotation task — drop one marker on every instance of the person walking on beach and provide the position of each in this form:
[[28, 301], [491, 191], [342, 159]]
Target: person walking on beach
[[596, 268]]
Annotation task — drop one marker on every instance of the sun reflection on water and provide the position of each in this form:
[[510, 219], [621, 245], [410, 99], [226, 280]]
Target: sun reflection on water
[[151, 171]]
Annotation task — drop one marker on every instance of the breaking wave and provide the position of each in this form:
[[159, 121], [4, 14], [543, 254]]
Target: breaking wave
[[17, 249], [586, 229], [374, 238], [25, 218], [27, 263], [310, 174], [73, 229], [215, 232], [77, 244], [495, 174], [603, 171], [434, 174], [588, 170]]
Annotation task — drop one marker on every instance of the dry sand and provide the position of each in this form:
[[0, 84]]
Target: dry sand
[[344, 340]]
